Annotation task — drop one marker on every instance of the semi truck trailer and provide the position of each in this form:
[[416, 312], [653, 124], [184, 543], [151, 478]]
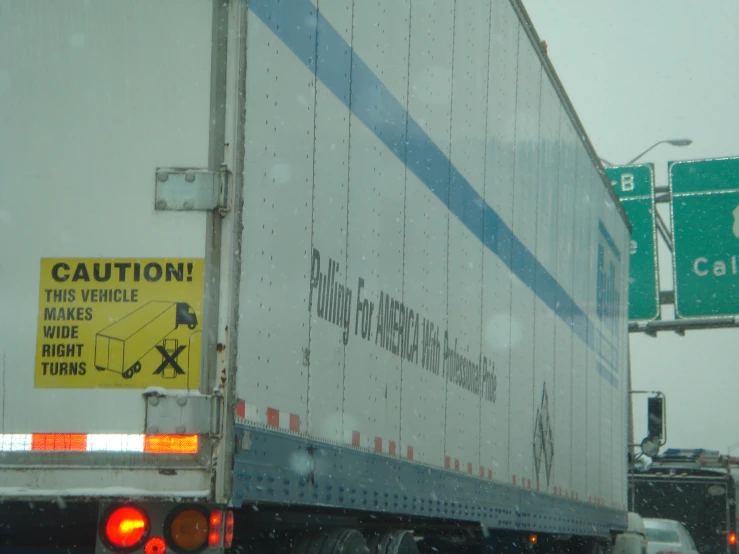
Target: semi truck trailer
[[693, 486], [385, 217]]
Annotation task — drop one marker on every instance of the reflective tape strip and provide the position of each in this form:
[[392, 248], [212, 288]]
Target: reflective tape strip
[[377, 444], [248, 413], [283, 420], [385, 446], [115, 443], [15, 443], [81, 442]]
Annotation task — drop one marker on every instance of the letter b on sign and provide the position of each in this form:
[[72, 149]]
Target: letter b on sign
[[627, 182]]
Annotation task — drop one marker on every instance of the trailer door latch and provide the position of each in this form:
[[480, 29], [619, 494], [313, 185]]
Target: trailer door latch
[[191, 189]]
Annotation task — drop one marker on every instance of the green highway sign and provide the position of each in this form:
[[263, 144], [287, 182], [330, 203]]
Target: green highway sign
[[705, 234], [634, 185]]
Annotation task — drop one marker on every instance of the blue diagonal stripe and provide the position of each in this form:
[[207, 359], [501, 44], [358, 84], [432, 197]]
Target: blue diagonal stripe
[[609, 240], [297, 25]]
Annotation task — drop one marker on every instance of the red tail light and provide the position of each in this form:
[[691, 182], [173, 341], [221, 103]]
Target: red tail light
[[214, 530], [228, 537], [732, 539], [126, 527]]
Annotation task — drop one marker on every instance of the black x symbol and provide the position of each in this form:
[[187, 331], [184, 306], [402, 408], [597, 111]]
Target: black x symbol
[[170, 360]]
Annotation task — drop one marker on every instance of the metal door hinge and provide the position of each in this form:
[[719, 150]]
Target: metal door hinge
[[191, 189], [180, 414]]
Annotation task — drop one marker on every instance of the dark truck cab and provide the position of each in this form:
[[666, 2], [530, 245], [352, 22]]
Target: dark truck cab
[[693, 487]]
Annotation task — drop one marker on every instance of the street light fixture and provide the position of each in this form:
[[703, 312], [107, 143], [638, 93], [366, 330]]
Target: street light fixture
[[673, 142], [728, 454], [661, 225]]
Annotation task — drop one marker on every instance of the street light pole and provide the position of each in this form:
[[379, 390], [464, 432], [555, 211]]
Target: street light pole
[[728, 455], [664, 231], [673, 142]]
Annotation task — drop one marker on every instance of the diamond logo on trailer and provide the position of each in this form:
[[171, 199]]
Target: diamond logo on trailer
[[543, 438]]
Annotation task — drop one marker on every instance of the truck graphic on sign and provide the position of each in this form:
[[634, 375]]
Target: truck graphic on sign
[[121, 346]]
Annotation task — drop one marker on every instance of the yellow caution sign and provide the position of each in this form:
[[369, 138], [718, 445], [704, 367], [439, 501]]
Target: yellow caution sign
[[119, 323]]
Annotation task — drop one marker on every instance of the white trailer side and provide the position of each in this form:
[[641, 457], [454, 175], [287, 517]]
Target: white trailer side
[[437, 174]]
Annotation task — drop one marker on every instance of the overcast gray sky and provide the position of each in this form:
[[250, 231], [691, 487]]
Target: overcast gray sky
[[638, 72]]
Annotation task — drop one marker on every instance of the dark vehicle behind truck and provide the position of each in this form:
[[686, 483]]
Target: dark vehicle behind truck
[[693, 487]]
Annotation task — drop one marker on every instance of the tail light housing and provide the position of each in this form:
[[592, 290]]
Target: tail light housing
[[187, 529], [228, 534], [125, 528], [215, 530]]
